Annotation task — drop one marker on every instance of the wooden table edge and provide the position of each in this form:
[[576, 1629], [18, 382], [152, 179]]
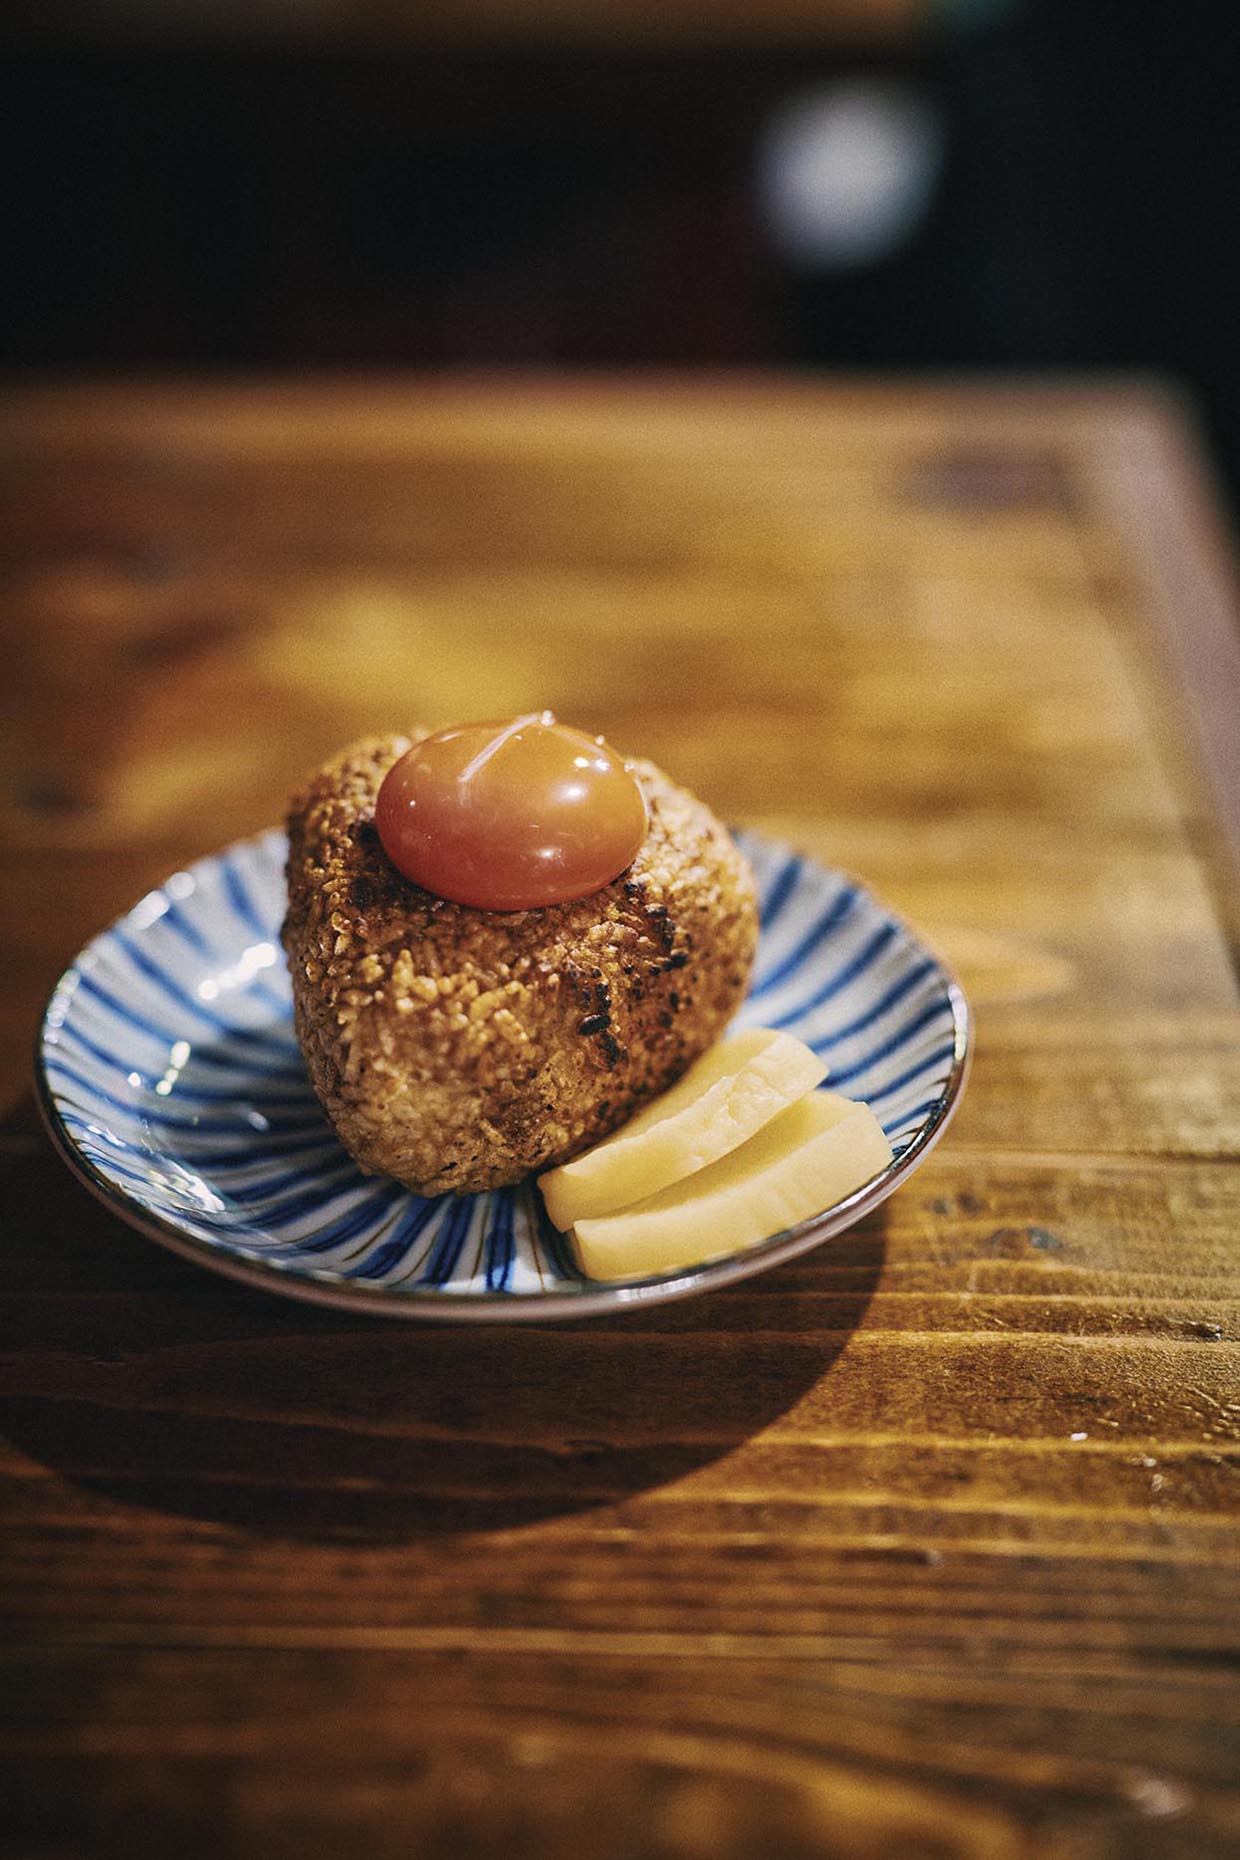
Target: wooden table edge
[[1144, 438], [1183, 556]]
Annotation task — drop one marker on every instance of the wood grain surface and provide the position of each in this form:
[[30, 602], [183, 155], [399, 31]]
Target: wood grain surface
[[923, 1547]]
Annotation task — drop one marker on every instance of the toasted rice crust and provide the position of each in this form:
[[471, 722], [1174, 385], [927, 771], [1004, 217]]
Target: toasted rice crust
[[459, 1049]]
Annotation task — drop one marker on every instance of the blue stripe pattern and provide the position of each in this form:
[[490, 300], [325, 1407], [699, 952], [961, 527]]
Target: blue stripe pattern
[[169, 1057], [856, 966], [771, 976], [781, 889]]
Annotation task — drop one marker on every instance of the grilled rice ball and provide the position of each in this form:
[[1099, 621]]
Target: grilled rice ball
[[459, 1049]]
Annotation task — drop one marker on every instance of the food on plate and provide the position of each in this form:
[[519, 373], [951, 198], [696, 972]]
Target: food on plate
[[511, 816], [459, 1048], [814, 1154], [722, 1100]]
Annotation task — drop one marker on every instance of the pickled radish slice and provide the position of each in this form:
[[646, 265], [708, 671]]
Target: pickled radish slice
[[812, 1155], [723, 1099], [511, 816]]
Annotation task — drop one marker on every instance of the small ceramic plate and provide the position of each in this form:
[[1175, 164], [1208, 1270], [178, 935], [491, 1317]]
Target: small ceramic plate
[[171, 1081]]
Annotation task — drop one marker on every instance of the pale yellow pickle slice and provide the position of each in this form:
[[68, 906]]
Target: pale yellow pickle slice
[[805, 1160], [723, 1100]]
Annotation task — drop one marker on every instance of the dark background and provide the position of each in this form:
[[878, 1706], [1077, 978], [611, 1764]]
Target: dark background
[[284, 201]]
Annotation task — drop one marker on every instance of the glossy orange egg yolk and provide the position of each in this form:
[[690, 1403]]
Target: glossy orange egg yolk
[[511, 816]]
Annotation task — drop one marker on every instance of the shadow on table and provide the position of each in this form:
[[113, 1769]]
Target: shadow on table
[[135, 1374]]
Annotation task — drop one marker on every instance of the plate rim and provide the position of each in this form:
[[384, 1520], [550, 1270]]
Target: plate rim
[[603, 1300]]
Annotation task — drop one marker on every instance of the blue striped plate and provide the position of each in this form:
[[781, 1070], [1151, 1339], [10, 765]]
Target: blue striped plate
[[171, 1081]]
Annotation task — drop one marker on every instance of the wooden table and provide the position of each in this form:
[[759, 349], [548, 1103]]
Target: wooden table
[[925, 1545]]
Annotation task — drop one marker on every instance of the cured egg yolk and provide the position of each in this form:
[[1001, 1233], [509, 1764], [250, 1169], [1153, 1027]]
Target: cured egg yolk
[[511, 816]]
